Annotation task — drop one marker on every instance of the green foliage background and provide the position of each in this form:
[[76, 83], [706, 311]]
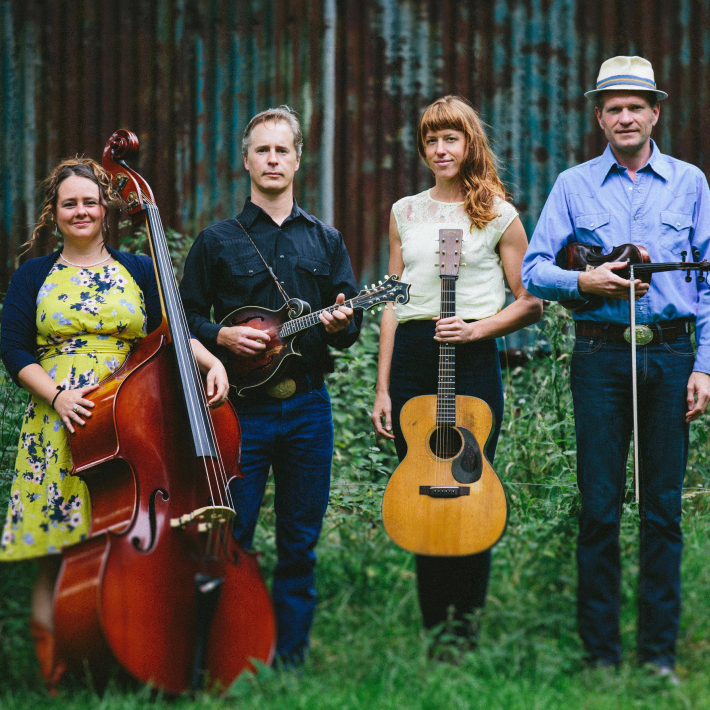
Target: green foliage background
[[368, 648]]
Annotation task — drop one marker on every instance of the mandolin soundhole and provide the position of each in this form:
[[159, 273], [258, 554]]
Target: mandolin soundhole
[[445, 442]]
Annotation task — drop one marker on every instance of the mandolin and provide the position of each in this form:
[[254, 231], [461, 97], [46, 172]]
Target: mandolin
[[444, 499], [285, 328]]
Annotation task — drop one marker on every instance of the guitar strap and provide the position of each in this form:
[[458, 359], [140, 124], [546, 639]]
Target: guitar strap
[[270, 270]]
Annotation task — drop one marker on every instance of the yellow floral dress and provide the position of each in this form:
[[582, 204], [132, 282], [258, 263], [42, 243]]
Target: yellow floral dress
[[87, 321]]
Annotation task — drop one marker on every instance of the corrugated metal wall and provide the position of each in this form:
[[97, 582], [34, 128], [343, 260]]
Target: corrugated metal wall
[[187, 74]]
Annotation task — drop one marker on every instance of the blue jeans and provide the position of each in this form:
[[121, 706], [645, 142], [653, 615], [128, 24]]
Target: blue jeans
[[601, 390], [294, 437], [446, 582]]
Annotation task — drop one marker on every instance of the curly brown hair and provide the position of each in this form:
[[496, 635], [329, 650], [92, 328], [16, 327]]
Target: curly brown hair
[[478, 172], [81, 167]]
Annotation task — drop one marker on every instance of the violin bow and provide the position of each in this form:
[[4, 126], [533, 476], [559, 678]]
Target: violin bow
[[697, 265], [634, 391]]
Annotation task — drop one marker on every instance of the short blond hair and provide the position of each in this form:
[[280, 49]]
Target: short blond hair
[[282, 113]]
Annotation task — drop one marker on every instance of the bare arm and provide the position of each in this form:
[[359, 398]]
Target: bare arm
[[525, 310], [382, 409], [212, 367]]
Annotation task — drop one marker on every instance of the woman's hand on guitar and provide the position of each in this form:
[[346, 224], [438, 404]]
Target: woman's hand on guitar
[[217, 385], [604, 282], [382, 410], [453, 330], [338, 319], [242, 340], [72, 407]]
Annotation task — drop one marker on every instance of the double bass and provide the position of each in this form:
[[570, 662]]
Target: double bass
[[160, 586]]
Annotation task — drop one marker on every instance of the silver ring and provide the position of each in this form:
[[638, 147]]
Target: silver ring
[[75, 408]]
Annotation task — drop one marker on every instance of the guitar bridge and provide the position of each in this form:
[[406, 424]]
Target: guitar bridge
[[444, 491]]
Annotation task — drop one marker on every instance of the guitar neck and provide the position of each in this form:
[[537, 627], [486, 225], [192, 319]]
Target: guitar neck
[[446, 393], [308, 321]]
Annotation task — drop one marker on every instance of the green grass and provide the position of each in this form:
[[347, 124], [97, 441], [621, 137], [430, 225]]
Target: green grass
[[368, 648]]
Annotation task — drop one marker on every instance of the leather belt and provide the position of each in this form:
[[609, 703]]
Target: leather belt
[[664, 332], [304, 382]]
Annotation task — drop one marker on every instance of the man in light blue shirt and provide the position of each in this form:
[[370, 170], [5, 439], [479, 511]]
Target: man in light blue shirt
[[631, 194]]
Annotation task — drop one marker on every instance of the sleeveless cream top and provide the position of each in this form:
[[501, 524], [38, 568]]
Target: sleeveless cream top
[[480, 288]]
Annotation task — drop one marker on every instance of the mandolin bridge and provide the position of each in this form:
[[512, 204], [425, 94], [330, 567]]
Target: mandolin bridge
[[444, 491]]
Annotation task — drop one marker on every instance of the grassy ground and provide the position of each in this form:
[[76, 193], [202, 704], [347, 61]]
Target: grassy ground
[[368, 647]]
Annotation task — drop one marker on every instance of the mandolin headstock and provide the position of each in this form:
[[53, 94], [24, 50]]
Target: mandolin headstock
[[392, 290]]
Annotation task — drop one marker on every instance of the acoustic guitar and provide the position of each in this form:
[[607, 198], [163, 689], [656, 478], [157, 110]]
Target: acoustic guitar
[[286, 326], [444, 499]]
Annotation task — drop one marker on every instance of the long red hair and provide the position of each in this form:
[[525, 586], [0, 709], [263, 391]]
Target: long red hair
[[478, 173]]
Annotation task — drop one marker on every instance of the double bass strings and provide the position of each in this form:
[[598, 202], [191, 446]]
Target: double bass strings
[[195, 398]]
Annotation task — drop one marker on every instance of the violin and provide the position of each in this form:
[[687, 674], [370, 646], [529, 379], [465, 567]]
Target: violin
[[160, 586], [587, 257]]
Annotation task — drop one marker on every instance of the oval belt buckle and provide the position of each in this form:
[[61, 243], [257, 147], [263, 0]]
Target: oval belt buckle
[[283, 389], [644, 335]]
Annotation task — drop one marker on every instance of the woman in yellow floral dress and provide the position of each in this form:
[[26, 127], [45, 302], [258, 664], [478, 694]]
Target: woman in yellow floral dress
[[69, 320]]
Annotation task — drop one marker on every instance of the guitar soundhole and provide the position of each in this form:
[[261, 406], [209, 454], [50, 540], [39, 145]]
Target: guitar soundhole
[[445, 442]]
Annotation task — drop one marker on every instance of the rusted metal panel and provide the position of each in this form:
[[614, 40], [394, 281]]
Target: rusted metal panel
[[525, 65], [186, 75]]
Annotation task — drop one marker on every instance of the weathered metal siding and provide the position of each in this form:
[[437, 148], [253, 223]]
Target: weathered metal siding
[[525, 65], [186, 75]]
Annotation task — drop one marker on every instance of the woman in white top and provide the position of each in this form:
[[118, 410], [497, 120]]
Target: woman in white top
[[467, 195]]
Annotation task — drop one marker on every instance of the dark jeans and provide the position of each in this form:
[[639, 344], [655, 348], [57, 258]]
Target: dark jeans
[[444, 582], [295, 437], [601, 389]]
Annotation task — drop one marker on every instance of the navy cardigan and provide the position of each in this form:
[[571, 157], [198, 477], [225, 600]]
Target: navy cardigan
[[18, 335]]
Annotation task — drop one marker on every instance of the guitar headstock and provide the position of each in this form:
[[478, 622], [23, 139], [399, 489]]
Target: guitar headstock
[[450, 241], [391, 290]]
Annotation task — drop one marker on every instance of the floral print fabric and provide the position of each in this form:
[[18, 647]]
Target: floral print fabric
[[87, 322]]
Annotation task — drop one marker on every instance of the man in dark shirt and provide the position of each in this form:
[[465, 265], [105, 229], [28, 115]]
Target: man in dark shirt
[[294, 435]]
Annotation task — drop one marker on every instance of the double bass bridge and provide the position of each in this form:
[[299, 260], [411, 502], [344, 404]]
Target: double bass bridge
[[206, 518]]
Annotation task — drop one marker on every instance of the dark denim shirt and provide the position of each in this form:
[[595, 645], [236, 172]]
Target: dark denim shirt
[[224, 272]]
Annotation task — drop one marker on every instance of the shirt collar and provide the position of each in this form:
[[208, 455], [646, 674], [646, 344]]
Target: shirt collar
[[250, 212], [607, 162]]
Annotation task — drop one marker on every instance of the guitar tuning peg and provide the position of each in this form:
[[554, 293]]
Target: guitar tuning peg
[[373, 286], [386, 277], [463, 264], [379, 283], [379, 308]]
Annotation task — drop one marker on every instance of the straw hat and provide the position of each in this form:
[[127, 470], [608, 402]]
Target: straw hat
[[626, 74]]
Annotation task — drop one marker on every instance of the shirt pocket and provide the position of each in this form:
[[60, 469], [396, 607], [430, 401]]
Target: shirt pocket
[[587, 226], [245, 268], [314, 274], [675, 231]]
